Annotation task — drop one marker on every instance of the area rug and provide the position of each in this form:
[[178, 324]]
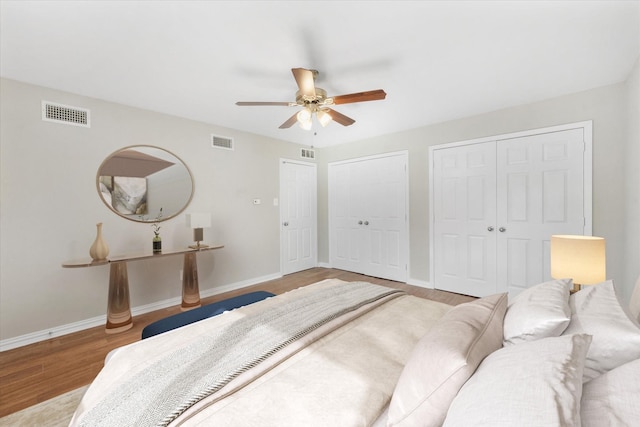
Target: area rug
[[56, 412]]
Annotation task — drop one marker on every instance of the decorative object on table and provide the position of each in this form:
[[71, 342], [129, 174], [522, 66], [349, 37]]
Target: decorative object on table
[[581, 258], [157, 240], [157, 243], [198, 221], [99, 249]]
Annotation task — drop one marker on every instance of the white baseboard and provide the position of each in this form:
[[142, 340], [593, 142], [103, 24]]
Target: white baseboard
[[420, 283], [324, 265], [34, 337]]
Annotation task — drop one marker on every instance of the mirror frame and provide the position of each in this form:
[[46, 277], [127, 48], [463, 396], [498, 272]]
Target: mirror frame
[[133, 217]]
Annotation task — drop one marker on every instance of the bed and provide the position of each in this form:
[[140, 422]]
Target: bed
[[356, 354]]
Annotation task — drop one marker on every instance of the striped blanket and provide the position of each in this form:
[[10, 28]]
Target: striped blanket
[[158, 394]]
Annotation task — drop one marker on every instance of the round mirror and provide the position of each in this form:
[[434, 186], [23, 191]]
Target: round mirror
[[145, 183]]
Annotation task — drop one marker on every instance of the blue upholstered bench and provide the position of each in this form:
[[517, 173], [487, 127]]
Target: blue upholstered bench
[[209, 310]]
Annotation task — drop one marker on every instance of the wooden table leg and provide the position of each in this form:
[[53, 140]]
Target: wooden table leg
[[118, 305], [190, 290]]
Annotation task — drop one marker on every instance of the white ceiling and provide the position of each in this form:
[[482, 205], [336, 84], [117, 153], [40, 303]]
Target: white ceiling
[[436, 60]]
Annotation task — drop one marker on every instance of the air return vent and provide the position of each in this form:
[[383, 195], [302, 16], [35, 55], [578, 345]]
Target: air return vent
[[306, 153], [221, 142], [75, 116]]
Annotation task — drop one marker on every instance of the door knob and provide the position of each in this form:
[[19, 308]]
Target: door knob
[[502, 229], [366, 223], [359, 222], [490, 228], [286, 224]]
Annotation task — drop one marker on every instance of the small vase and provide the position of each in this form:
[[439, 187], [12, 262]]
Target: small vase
[[99, 250], [157, 244]]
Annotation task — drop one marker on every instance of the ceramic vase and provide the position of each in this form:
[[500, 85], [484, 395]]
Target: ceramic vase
[[99, 250]]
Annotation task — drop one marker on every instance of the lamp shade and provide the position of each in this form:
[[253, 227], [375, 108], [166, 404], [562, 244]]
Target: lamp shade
[[581, 258], [199, 220]]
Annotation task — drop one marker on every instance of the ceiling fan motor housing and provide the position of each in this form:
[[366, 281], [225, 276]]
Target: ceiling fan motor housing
[[320, 98]]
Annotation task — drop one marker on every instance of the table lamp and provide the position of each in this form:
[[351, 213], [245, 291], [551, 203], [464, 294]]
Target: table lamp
[[581, 258], [198, 221]]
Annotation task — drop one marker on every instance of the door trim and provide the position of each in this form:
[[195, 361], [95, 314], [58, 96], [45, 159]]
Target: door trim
[[282, 162], [587, 127]]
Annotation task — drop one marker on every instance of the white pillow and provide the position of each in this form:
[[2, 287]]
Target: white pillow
[[612, 399], [444, 359], [535, 383], [540, 311], [616, 338]]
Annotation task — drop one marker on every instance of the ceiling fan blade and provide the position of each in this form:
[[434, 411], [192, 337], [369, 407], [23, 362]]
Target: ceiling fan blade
[[252, 104], [304, 79], [371, 95], [289, 122], [340, 118]]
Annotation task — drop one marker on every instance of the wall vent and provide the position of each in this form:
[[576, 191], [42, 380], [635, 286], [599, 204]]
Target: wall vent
[[58, 113], [306, 153], [221, 142]]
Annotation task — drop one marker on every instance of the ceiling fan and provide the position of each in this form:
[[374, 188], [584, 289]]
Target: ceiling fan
[[314, 100]]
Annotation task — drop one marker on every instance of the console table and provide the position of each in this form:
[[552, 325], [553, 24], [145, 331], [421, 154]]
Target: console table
[[118, 306]]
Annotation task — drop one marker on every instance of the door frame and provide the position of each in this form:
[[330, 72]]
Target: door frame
[[587, 127], [314, 244], [407, 248]]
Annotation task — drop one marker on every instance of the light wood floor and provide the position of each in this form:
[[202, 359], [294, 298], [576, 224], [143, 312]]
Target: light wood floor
[[40, 371]]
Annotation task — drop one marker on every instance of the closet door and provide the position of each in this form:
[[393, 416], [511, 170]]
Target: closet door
[[346, 210], [464, 209], [540, 189], [368, 216], [496, 204]]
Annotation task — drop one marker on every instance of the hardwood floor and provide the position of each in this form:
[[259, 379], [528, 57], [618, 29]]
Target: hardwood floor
[[40, 371]]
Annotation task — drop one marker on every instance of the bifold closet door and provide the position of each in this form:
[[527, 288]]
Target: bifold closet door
[[368, 216]]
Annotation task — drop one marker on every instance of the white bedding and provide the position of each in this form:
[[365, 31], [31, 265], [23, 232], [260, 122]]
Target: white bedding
[[343, 378]]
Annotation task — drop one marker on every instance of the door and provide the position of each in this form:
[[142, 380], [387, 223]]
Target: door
[[495, 205], [298, 216], [368, 216], [464, 219], [540, 192]]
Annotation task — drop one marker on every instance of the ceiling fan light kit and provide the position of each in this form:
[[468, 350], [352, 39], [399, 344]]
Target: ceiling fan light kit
[[324, 117], [314, 100]]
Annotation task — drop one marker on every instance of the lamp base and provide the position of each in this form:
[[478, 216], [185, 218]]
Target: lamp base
[[198, 245], [576, 288]]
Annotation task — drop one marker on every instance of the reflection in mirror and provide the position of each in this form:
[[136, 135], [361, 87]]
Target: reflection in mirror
[[145, 184]]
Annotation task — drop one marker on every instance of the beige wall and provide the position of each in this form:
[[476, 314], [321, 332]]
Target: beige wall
[[49, 204], [50, 208], [607, 107], [631, 253]]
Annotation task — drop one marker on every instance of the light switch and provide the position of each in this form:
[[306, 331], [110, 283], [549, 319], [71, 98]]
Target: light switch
[[275, 202]]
